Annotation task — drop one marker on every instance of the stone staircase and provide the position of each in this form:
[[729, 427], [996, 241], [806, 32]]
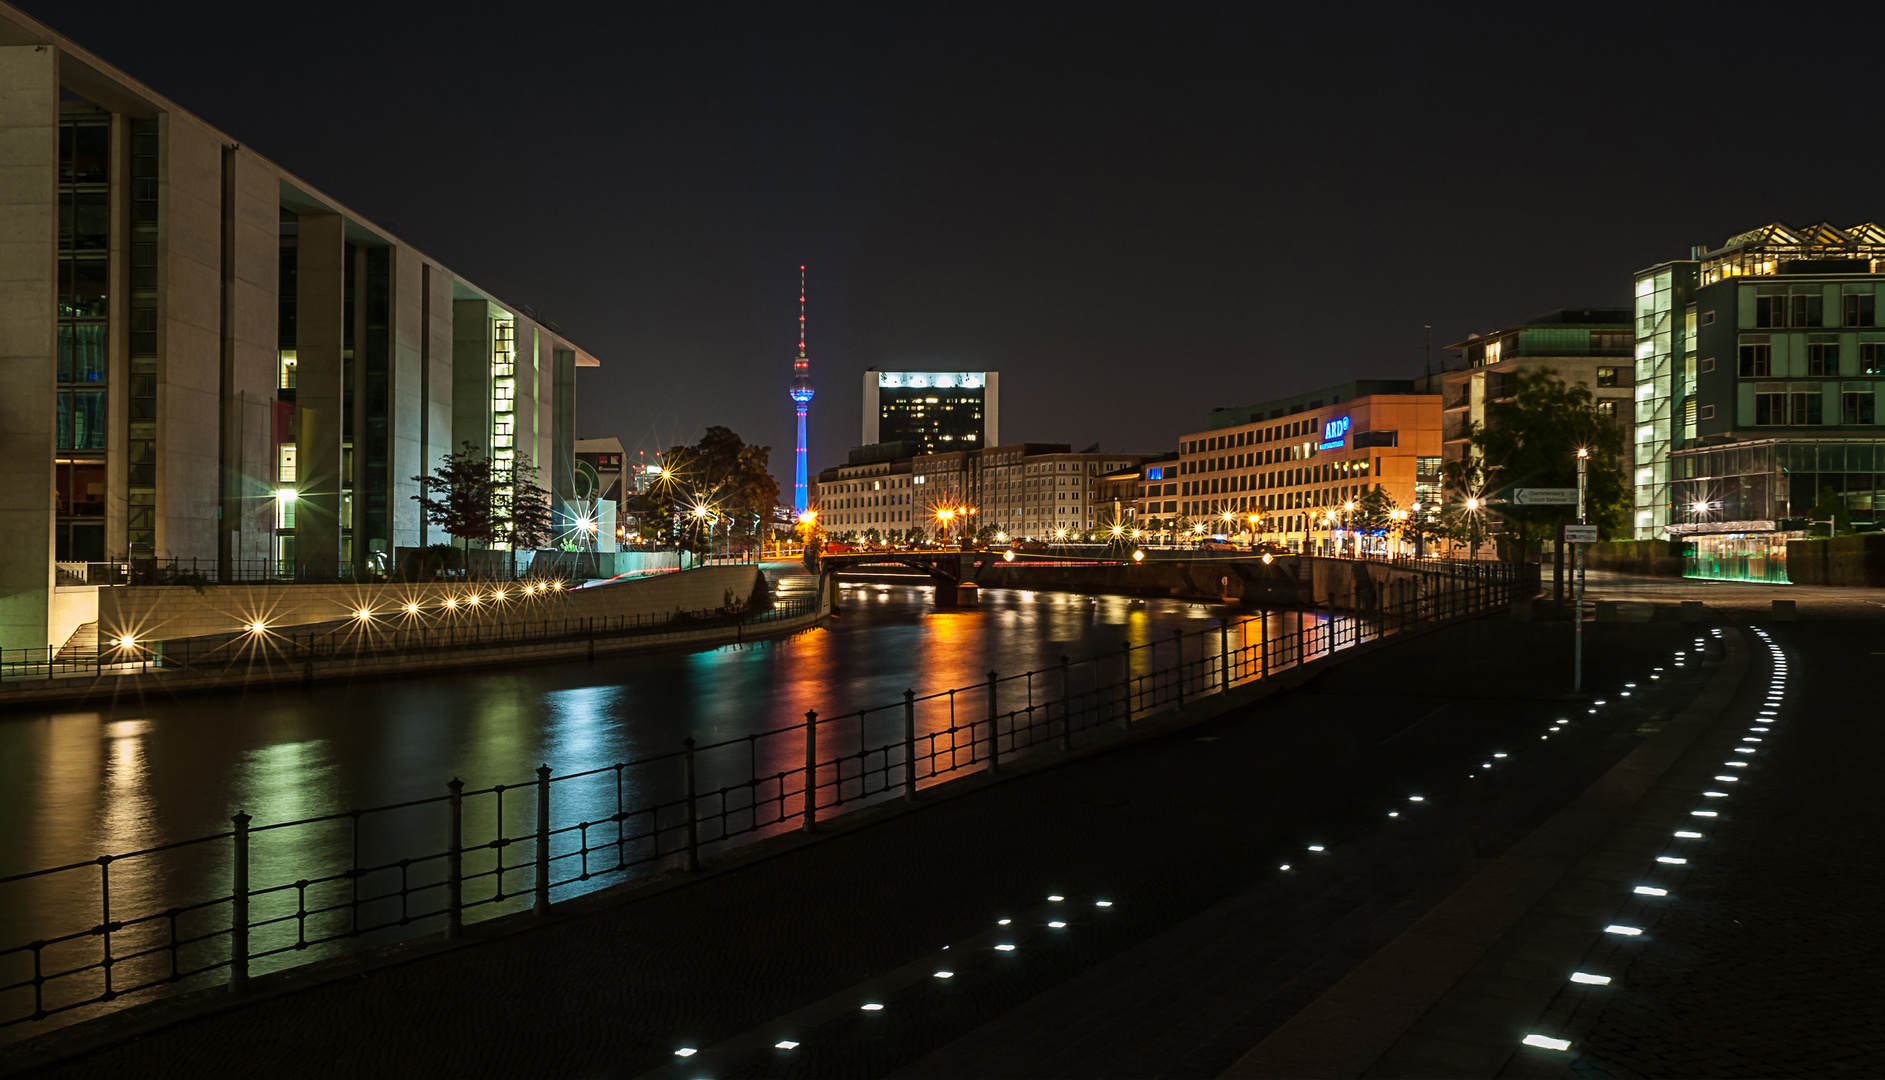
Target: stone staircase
[[82, 645]]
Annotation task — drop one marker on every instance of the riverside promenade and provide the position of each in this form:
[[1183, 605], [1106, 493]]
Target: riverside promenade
[[1476, 833]]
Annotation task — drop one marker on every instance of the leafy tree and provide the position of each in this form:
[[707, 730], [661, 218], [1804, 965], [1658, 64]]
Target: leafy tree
[[461, 497], [524, 522], [731, 478], [1532, 440], [1830, 507], [1374, 512]]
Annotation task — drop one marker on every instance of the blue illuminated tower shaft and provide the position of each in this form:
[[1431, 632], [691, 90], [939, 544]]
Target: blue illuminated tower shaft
[[801, 393], [800, 500]]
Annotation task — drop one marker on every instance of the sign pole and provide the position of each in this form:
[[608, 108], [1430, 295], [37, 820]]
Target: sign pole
[[1577, 603]]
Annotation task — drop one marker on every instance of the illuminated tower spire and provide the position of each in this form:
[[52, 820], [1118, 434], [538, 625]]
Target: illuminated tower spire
[[802, 398]]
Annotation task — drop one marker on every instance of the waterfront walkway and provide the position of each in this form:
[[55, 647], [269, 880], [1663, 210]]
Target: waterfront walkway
[[1454, 890]]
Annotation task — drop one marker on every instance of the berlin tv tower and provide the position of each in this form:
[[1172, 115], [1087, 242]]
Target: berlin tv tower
[[801, 397]]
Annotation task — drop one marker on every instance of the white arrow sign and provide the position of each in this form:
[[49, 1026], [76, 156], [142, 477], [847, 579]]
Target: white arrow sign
[[1544, 496]]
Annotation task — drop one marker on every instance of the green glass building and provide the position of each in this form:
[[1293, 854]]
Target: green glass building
[[1758, 368]]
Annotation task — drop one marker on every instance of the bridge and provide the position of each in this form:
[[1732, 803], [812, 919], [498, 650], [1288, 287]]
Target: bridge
[[1233, 576]]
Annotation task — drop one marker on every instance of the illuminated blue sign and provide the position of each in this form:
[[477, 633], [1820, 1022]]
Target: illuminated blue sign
[[1334, 433]]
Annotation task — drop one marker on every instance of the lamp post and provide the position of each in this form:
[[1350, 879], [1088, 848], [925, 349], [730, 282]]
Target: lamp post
[[1348, 508], [1577, 602], [1472, 527]]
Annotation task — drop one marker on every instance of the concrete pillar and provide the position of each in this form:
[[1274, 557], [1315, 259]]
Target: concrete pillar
[[252, 217], [436, 373], [406, 393], [320, 309], [190, 332], [29, 200]]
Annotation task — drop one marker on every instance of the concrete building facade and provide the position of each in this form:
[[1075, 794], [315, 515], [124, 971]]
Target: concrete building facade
[[1593, 347], [1766, 360], [204, 358], [1292, 462]]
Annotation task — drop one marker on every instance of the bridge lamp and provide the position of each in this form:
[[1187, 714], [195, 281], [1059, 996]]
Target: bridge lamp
[[126, 641], [257, 627], [412, 609], [1007, 556], [451, 602], [1060, 534], [363, 614], [1138, 556], [1268, 559]]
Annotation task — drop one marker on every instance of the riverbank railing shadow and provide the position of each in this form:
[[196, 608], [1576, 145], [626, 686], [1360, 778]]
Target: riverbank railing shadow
[[298, 891]]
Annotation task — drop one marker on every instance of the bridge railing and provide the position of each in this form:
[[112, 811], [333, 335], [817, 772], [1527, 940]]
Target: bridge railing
[[252, 899]]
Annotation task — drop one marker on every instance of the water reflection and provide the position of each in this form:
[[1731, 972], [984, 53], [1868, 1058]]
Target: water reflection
[[142, 774]]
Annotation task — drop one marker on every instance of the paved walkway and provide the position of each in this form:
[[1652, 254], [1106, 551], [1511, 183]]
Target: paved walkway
[[1183, 836], [1734, 600]]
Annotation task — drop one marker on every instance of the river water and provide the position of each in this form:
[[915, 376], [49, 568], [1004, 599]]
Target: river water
[[77, 783]]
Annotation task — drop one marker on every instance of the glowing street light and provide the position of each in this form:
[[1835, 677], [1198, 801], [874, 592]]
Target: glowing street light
[[1138, 556]]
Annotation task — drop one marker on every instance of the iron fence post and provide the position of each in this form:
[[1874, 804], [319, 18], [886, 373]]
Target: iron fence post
[[1178, 648], [1125, 682], [909, 746], [1223, 653], [1263, 645], [543, 841], [994, 730], [455, 863], [1066, 705], [693, 811], [811, 770], [239, 914]]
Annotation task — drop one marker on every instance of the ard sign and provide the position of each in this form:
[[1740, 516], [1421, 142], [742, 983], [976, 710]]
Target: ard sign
[[1334, 433]]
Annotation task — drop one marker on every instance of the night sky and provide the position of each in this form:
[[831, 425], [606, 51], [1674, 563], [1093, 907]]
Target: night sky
[[1135, 213]]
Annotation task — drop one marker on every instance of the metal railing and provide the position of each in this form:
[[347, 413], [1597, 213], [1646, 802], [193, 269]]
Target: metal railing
[[292, 891]]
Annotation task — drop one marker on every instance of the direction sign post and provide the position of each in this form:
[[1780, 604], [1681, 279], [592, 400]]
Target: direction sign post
[[1544, 496], [1580, 534]]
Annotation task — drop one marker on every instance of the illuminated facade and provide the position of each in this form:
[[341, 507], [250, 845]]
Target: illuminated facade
[[206, 358], [1767, 358], [1594, 347], [801, 394], [1294, 462], [936, 411]]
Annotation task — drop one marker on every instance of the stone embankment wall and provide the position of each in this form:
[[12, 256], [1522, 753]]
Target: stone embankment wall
[[168, 612]]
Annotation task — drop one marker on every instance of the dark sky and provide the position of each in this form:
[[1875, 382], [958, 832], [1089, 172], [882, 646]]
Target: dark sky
[[1134, 212]]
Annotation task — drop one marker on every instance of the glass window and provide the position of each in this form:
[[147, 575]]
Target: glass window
[[82, 353], [1859, 309], [1606, 376], [1822, 358], [1856, 408], [1756, 361]]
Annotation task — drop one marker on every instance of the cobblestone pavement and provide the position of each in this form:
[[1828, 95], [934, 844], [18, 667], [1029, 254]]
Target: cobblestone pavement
[[1193, 824], [1766, 958]]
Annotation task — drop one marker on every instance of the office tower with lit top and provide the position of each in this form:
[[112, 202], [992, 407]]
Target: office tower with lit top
[[937, 412], [802, 399]]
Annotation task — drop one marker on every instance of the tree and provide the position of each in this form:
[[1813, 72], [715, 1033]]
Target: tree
[[1830, 507], [729, 478], [1373, 514], [525, 522], [1532, 441], [461, 497]]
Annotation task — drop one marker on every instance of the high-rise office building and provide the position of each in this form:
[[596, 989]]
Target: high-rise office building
[[1759, 364], [935, 411], [206, 358]]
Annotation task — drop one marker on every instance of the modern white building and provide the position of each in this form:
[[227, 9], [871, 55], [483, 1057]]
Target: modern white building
[[204, 358]]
